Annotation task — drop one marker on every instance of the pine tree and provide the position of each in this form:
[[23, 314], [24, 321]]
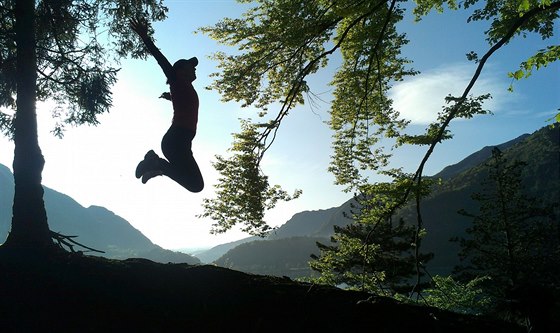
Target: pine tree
[[514, 239], [376, 253]]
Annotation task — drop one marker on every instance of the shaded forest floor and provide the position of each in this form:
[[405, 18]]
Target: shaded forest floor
[[73, 293]]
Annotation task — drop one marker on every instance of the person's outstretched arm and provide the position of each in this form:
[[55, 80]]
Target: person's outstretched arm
[[141, 28]]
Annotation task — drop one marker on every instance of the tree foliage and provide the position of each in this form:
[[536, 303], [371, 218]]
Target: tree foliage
[[78, 45], [514, 239], [377, 252], [280, 43], [273, 71], [243, 193], [509, 18], [452, 295]]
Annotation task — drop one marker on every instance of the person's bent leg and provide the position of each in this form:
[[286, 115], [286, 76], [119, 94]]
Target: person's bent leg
[[185, 171], [182, 167], [188, 174]]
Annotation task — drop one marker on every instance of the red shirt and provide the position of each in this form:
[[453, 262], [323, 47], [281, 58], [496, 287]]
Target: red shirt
[[185, 104]]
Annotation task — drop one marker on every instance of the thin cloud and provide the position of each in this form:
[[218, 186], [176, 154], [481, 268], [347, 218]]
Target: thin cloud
[[421, 98]]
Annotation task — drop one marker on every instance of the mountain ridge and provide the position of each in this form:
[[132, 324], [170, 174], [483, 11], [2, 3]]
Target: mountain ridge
[[322, 221], [476, 158], [121, 240], [96, 227], [460, 181]]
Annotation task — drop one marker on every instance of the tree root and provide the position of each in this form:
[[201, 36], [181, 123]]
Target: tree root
[[69, 242]]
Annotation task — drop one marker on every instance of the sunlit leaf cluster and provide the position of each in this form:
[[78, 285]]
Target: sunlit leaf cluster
[[542, 58], [452, 295], [280, 43], [243, 193], [361, 113]]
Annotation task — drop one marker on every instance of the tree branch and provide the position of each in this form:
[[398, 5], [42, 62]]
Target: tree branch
[[374, 54], [418, 175], [294, 90], [516, 25]]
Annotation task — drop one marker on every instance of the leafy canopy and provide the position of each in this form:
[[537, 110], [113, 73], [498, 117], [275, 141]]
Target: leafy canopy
[[79, 44], [243, 189], [281, 43]]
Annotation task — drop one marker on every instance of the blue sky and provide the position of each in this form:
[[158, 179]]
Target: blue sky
[[95, 165]]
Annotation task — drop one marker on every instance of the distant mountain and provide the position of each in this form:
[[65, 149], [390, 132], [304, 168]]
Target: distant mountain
[[439, 211], [475, 159], [278, 257], [305, 223], [208, 256], [313, 224], [96, 227], [318, 223], [541, 178]]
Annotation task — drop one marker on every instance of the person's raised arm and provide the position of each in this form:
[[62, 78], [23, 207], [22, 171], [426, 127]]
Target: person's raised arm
[[141, 28]]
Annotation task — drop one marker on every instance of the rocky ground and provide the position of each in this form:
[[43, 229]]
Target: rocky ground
[[73, 293]]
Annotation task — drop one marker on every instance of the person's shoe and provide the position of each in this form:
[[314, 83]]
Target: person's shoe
[[150, 174], [149, 162]]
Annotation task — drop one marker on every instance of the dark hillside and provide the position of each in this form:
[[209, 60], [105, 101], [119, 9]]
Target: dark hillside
[[303, 224], [339, 217], [281, 257], [71, 293], [315, 223], [210, 255], [476, 159], [541, 150], [541, 178]]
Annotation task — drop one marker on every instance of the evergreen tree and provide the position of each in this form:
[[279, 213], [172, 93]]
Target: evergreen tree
[[65, 51], [514, 239], [448, 294], [375, 253]]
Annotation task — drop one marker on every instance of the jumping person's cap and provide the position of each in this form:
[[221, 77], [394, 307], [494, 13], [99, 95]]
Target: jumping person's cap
[[186, 62]]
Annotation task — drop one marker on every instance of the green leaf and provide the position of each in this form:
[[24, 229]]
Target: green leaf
[[523, 7]]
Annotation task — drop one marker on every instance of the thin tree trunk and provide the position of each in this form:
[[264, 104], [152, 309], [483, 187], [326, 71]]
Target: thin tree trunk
[[29, 222]]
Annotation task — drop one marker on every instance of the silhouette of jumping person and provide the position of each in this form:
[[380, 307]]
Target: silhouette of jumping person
[[176, 144]]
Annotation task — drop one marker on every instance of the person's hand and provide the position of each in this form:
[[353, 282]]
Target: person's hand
[[140, 26]]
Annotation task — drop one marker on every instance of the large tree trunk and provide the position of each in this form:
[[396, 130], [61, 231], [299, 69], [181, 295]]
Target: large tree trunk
[[30, 229]]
